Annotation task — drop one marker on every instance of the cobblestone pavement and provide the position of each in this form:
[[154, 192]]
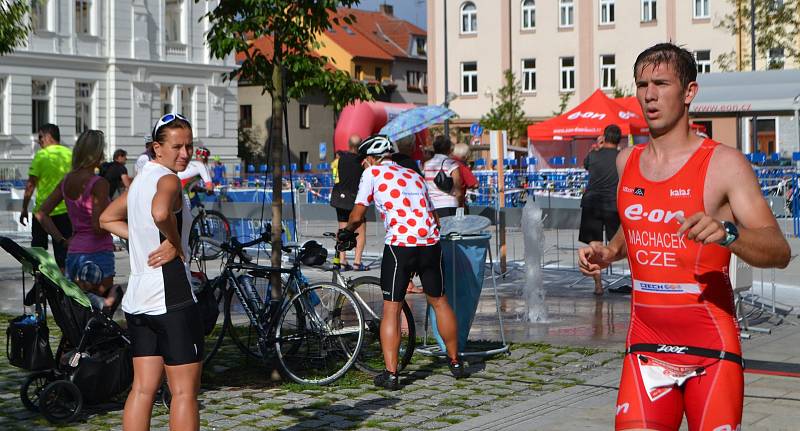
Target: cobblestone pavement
[[238, 393]]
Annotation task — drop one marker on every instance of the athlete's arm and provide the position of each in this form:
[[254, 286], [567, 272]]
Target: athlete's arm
[[43, 215], [99, 202], [204, 174], [165, 201], [30, 186], [356, 217], [731, 180], [114, 218]]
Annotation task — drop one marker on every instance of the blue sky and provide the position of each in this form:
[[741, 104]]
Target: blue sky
[[410, 10]]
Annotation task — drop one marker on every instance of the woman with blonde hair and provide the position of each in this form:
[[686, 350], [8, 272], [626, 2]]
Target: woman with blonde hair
[[86, 196]]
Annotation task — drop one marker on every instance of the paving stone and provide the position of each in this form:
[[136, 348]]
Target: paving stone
[[434, 425]]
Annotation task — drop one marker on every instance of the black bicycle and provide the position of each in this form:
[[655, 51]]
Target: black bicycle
[[315, 331]]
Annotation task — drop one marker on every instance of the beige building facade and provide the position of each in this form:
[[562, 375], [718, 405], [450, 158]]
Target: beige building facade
[[558, 47]]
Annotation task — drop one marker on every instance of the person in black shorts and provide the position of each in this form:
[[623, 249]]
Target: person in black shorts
[[411, 246], [161, 311], [343, 196], [599, 203]]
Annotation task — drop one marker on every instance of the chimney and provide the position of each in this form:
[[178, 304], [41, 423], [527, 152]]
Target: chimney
[[386, 9]]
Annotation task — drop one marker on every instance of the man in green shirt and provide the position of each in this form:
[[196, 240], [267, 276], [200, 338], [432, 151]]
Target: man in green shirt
[[48, 168]]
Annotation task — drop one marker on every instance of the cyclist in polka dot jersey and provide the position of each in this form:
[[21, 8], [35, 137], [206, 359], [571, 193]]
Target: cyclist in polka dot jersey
[[411, 246]]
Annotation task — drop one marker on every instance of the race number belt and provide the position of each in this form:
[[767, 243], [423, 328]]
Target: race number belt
[[686, 350]]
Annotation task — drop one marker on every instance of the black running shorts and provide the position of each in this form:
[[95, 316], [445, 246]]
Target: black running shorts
[[400, 263], [595, 221], [177, 335]]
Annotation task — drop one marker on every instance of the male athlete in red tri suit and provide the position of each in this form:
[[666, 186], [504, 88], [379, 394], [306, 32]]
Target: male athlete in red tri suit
[[685, 204]]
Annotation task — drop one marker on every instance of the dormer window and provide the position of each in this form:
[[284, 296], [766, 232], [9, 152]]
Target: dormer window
[[420, 46]]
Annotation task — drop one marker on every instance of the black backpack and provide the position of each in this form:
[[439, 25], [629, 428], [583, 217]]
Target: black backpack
[[442, 180]]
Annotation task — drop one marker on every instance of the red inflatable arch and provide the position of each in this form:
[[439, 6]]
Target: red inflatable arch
[[364, 119]]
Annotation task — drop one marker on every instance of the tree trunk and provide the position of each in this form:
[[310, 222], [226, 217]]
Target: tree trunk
[[276, 135]]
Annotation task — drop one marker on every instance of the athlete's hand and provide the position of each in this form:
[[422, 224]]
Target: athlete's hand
[[594, 258], [702, 228], [166, 252]]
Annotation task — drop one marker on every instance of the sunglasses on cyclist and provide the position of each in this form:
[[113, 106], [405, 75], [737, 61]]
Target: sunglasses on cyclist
[[166, 119]]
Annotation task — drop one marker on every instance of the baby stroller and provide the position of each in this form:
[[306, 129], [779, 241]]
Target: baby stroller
[[93, 361]]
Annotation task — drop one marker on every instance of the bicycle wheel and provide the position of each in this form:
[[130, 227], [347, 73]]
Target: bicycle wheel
[[327, 344], [239, 326], [370, 359], [215, 226], [213, 339]]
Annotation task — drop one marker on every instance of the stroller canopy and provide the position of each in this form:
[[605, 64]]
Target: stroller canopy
[[49, 268]]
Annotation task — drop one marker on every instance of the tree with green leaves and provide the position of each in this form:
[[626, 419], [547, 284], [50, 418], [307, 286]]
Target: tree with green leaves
[[563, 102], [507, 113], [777, 24], [289, 70], [14, 25]]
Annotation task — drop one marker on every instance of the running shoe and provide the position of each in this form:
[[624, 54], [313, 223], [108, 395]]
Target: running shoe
[[457, 368], [387, 380]]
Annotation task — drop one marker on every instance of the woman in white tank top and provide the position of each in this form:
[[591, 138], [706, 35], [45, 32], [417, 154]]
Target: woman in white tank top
[[161, 310]]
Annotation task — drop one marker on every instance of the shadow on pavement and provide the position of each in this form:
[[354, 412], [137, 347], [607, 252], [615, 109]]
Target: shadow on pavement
[[352, 415]]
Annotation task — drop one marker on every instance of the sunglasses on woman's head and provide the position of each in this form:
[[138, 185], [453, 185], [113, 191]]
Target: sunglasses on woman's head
[[166, 119]]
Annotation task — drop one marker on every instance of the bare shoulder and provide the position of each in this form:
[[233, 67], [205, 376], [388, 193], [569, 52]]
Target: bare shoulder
[[727, 161], [622, 157]]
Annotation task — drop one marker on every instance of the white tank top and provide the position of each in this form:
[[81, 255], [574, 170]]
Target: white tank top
[[154, 290]]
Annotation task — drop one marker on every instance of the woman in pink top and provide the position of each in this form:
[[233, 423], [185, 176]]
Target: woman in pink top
[[86, 196]]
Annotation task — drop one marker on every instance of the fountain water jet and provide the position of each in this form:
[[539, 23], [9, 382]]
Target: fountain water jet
[[533, 235]]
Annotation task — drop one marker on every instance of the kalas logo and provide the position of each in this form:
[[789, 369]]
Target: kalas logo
[[636, 212], [680, 193], [588, 115]]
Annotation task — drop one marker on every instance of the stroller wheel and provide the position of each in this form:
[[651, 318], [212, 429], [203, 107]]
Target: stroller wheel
[[32, 388], [60, 401]]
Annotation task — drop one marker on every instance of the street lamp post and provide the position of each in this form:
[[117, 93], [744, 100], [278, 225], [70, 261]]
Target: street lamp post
[[754, 128], [446, 81]]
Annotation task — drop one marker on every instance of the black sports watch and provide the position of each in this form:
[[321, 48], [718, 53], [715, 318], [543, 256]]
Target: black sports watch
[[731, 233]]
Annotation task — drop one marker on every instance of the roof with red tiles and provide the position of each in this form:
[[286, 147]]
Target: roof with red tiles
[[266, 45], [391, 34], [355, 42]]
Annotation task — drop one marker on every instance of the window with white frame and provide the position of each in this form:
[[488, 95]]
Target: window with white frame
[[173, 25], [83, 106], [420, 47], [167, 101], [187, 102], [415, 80], [648, 10], [775, 5], [469, 18], [775, 58], [40, 16], [528, 14], [469, 77], [2, 105], [608, 72], [700, 9], [529, 75], [566, 13], [703, 60], [606, 11], [567, 67], [305, 120], [83, 16], [40, 104]]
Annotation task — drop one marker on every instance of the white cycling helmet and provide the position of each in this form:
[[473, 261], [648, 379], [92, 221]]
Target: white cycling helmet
[[376, 145]]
